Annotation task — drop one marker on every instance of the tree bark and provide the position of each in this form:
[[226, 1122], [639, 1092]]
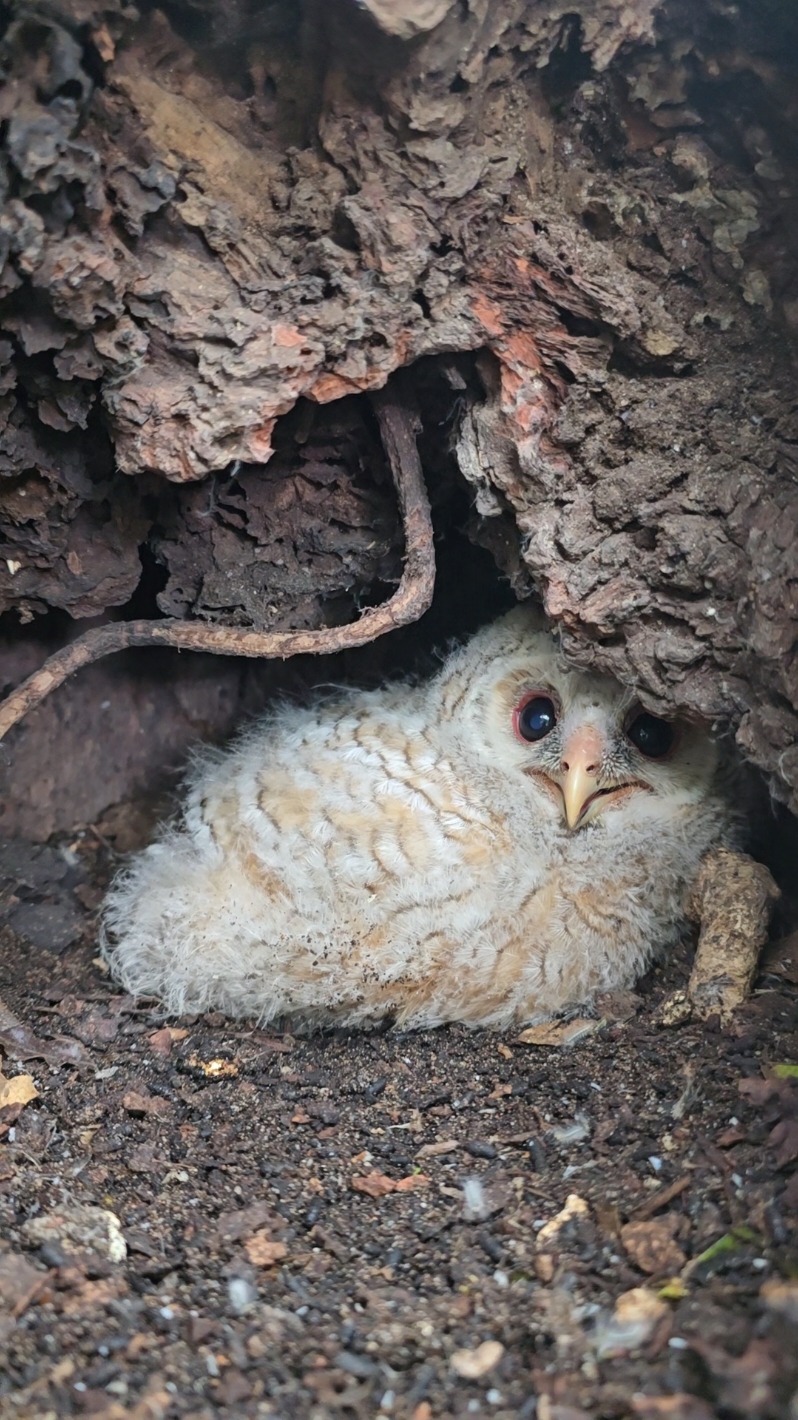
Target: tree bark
[[412, 597], [223, 226]]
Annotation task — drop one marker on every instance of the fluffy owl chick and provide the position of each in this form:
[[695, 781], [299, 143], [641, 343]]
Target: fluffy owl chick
[[493, 846]]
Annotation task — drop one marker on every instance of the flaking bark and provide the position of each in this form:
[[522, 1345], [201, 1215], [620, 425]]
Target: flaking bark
[[410, 600], [208, 225]]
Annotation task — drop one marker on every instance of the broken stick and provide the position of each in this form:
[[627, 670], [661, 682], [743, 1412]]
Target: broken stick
[[732, 899]]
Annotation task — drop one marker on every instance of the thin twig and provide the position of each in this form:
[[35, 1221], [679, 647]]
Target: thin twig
[[410, 600], [658, 1200]]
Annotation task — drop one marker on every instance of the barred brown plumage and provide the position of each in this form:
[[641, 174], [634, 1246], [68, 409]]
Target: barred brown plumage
[[492, 846]]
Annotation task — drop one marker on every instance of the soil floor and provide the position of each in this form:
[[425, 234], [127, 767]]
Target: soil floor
[[409, 1225]]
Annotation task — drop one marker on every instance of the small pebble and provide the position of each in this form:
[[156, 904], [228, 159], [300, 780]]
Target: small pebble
[[360, 1366], [537, 1156], [241, 1293], [475, 1204], [491, 1247], [472, 1365], [479, 1150]]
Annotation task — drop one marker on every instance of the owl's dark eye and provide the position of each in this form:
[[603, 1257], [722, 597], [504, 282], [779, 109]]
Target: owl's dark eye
[[653, 737], [535, 718]]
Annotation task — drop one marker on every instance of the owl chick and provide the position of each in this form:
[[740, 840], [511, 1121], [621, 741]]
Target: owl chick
[[493, 846]]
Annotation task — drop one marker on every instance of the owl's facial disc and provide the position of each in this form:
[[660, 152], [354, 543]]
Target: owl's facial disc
[[581, 762]]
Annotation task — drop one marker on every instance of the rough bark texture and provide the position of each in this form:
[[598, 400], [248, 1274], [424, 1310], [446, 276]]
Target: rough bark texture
[[412, 598], [224, 214]]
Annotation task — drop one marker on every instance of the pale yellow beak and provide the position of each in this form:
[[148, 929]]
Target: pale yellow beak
[[579, 766]]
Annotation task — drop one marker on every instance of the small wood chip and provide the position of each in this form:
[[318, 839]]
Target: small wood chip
[[18, 1282], [413, 1180], [678, 1406], [263, 1251], [214, 1069], [375, 1184], [558, 1033], [660, 1198], [575, 1207], [142, 1102], [161, 1041], [635, 1318], [441, 1146], [652, 1245]]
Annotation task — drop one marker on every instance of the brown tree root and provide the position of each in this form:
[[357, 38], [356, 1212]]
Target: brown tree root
[[731, 899], [409, 602]]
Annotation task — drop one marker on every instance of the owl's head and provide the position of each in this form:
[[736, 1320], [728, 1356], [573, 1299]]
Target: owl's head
[[583, 740]]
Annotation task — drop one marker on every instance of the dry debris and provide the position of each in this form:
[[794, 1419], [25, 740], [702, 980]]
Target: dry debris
[[80, 1228], [263, 1251], [607, 1230], [635, 1318], [652, 1245], [19, 1090], [561, 1033], [575, 1207], [21, 1043], [377, 1184]]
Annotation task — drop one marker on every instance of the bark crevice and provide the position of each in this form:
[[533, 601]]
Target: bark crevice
[[216, 227]]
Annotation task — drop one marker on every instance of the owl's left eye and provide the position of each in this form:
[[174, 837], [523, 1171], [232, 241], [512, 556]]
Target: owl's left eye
[[653, 737], [535, 718]]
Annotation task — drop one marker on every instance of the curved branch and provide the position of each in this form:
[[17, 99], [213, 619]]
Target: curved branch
[[410, 600]]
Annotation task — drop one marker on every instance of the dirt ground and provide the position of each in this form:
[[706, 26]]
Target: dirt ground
[[410, 1225]]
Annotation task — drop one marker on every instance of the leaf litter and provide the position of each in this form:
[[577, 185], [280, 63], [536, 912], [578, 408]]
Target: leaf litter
[[446, 1220]]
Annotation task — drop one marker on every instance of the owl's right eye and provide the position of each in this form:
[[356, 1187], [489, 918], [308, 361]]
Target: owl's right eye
[[535, 718]]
